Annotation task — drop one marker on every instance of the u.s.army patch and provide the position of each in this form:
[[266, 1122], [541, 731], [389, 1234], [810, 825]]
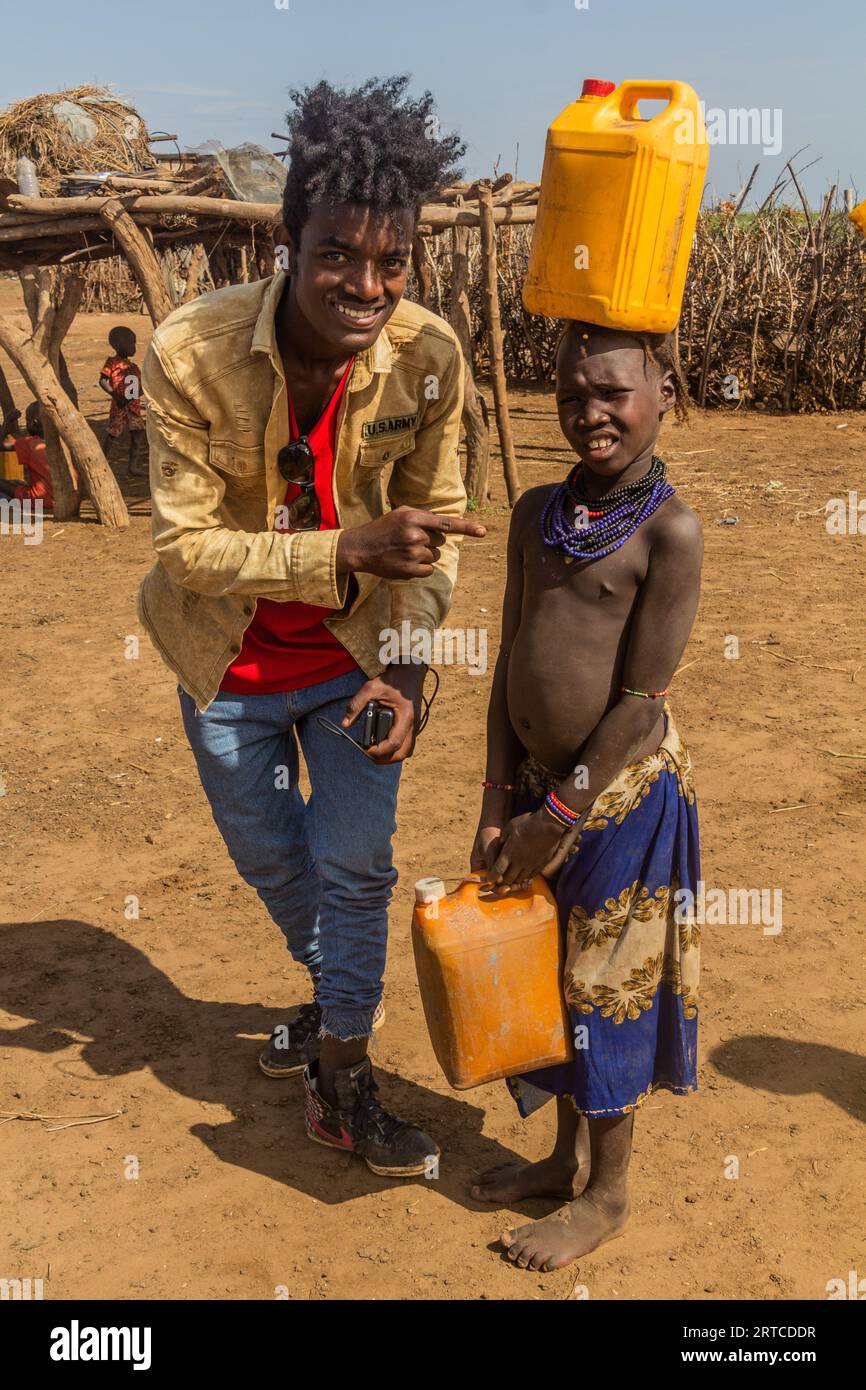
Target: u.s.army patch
[[392, 424]]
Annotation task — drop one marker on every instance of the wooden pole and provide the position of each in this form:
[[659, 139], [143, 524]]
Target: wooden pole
[[36, 291], [51, 252], [67, 502], [477, 430], [195, 235], [125, 184], [495, 343], [266, 261], [421, 267], [437, 215], [7, 400], [466, 191], [57, 227], [67, 308], [475, 423], [142, 259], [72, 427], [63, 373], [193, 271], [219, 268], [50, 324], [232, 208]]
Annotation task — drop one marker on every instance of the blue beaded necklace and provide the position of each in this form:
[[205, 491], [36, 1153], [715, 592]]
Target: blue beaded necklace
[[601, 525]]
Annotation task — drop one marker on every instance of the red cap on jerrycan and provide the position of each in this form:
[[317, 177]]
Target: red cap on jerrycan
[[596, 87]]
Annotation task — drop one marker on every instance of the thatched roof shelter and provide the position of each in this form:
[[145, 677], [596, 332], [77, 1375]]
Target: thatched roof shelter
[[83, 129], [102, 194]]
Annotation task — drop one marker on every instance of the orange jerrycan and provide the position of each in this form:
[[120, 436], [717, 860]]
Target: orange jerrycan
[[618, 206], [490, 972]]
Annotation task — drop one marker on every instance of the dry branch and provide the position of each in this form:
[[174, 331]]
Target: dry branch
[[142, 259], [494, 335], [475, 424], [49, 227], [159, 202]]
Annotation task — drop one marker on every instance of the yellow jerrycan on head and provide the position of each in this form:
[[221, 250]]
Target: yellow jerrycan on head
[[490, 974], [618, 206]]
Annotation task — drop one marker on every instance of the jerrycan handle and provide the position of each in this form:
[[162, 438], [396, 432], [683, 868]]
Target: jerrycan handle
[[430, 890], [628, 94], [466, 885]]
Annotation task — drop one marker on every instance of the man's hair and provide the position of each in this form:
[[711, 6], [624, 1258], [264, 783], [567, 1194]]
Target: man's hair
[[371, 145], [659, 348], [120, 338], [33, 418]]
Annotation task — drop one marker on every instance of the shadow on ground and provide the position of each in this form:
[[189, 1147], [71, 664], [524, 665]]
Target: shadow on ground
[[73, 980], [792, 1068]]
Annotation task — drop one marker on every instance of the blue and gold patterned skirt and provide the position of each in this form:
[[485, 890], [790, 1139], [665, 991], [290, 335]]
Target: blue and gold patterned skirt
[[631, 968]]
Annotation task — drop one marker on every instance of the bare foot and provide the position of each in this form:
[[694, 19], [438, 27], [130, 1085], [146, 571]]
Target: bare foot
[[552, 1177], [567, 1234]]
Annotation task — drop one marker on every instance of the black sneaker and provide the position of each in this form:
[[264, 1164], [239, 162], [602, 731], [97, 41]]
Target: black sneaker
[[359, 1124], [294, 1044]]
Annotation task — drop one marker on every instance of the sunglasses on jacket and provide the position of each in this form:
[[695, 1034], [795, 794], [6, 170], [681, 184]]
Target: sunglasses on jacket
[[297, 464]]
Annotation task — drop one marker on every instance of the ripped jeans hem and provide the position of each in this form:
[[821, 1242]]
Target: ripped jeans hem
[[346, 1026]]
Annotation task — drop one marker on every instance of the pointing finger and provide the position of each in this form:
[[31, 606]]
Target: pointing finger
[[453, 525]]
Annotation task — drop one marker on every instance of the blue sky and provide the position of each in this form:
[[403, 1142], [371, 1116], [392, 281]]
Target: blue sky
[[499, 69]]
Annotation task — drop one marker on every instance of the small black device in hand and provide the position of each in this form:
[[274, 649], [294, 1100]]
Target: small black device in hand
[[378, 720]]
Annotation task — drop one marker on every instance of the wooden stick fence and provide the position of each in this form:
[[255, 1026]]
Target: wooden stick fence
[[774, 312]]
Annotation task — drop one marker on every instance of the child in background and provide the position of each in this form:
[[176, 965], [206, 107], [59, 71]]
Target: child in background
[[120, 378], [29, 446], [588, 781]]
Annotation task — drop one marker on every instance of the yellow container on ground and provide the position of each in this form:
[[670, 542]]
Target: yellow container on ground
[[618, 206], [10, 468], [490, 975]]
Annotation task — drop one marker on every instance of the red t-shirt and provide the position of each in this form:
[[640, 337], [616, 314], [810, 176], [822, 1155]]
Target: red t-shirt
[[287, 646], [33, 457]]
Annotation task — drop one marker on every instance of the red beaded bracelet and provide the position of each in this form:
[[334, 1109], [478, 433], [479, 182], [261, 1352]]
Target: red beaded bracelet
[[497, 786], [561, 807], [561, 813]]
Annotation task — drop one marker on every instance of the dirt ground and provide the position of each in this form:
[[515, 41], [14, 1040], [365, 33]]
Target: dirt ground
[[157, 1020]]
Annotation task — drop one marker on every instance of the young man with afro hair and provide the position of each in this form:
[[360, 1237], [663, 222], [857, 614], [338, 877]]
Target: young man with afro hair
[[307, 503]]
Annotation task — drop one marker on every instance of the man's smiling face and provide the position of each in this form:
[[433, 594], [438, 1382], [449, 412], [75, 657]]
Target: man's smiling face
[[349, 272]]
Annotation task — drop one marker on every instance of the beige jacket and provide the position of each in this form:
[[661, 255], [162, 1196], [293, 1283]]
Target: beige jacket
[[217, 417]]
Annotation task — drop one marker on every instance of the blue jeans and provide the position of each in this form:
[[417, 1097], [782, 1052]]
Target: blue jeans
[[323, 868]]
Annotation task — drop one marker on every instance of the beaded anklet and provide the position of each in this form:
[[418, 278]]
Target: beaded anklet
[[560, 812], [643, 694]]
